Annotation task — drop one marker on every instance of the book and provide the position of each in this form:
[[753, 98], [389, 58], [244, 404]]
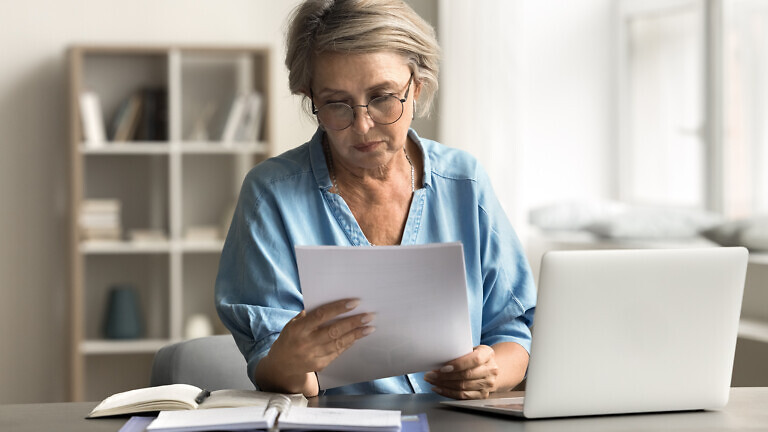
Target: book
[[152, 122], [408, 423], [94, 130], [174, 397], [126, 121], [249, 129], [234, 119], [278, 414]]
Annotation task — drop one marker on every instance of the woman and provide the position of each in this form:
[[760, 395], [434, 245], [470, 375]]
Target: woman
[[366, 179]]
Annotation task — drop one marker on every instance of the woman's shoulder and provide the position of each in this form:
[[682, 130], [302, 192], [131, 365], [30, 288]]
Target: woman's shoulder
[[450, 162], [287, 165]]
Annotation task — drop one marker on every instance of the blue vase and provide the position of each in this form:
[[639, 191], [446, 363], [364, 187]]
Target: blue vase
[[123, 317]]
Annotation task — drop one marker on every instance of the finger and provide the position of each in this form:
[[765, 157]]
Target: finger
[[337, 346], [341, 327], [480, 355], [462, 394], [479, 372], [324, 313], [485, 383]]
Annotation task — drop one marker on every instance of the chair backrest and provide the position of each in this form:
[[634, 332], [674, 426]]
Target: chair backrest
[[212, 363]]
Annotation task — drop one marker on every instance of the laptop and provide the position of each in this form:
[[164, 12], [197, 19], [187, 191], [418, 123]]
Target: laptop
[[630, 331]]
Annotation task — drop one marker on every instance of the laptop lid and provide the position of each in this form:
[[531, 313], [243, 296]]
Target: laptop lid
[[624, 331]]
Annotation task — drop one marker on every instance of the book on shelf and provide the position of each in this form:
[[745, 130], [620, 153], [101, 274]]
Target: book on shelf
[[245, 119], [103, 234], [174, 397], [203, 233], [234, 117], [153, 120], [99, 219], [126, 120], [249, 129], [150, 235], [94, 129]]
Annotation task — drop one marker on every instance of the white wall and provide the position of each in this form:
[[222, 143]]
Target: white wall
[[527, 87], [34, 35]]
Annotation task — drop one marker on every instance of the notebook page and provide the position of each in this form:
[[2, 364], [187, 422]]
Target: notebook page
[[230, 419], [340, 419]]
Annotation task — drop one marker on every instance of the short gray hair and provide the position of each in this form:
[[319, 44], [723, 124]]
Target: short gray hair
[[361, 26]]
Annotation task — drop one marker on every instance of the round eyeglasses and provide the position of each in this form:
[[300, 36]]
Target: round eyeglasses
[[383, 110]]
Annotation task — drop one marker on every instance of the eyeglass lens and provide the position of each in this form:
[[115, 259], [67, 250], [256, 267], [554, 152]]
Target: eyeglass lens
[[382, 110]]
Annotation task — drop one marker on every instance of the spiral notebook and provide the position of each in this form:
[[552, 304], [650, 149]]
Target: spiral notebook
[[279, 414]]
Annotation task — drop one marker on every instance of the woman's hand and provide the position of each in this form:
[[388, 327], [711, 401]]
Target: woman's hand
[[473, 376], [308, 343]]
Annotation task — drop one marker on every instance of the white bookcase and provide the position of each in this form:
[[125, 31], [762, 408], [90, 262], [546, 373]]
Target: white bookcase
[[170, 185]]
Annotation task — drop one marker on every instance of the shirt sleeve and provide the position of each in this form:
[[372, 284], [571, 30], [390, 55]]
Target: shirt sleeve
[[257, 289], [509, 293]]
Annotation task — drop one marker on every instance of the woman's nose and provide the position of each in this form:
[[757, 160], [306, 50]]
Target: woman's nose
[[362, 121]]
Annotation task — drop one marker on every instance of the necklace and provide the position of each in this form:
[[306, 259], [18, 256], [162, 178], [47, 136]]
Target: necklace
[[329, 156]]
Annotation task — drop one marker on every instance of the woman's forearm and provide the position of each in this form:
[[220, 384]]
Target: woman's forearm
[[512, 359]]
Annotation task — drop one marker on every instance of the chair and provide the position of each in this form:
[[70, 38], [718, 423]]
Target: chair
[[211, 362]]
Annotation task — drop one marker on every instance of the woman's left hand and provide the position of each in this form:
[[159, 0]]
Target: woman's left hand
[[473, 376]]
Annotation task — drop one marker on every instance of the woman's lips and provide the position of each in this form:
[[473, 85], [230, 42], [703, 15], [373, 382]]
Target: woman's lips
[[367, 146]]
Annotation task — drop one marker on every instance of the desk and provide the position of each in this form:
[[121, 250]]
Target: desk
[[747, 410]]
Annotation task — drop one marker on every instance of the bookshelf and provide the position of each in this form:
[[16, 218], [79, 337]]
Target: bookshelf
[[173, 174]]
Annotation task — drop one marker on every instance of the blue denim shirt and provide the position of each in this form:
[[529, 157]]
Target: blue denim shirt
[[286, 201]]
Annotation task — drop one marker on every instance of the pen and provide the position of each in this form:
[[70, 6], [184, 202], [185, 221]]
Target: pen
[[202, 395]]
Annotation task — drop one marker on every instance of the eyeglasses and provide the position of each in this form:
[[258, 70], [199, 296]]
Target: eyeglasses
[[383, 110]]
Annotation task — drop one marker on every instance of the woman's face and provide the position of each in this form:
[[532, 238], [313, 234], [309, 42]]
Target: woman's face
[[355, 79]]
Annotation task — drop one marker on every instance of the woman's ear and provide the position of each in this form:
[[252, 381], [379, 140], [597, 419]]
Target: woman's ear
[[416, 89]]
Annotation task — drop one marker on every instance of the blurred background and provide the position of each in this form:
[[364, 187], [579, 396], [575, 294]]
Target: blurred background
[[602, 123]]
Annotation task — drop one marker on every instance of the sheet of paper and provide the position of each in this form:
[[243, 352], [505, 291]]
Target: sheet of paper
[[419, 296]]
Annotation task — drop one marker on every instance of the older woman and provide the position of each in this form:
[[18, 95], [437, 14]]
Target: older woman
[[366, 179]]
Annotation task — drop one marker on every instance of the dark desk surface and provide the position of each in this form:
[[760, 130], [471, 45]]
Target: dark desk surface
[[747, 410]]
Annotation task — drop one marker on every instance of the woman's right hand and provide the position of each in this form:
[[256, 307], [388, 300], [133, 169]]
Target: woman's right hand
[[308, 343]]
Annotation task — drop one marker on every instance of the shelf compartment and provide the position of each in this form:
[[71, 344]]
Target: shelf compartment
[[139, 182], [147, 273], [211, 81], [114, 77], [205, 204]]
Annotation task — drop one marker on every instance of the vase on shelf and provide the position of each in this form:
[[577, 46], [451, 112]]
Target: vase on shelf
[[123, 316]]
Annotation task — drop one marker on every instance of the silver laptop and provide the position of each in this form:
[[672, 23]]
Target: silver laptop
[[628, 331]]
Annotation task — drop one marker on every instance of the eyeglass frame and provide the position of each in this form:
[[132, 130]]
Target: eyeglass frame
[[315, 110]]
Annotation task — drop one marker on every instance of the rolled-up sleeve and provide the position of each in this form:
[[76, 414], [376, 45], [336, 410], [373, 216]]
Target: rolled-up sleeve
[[509, 293], [256, 288]]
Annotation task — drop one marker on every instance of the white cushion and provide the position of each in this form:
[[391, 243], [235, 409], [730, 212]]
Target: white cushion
[[655, 223]]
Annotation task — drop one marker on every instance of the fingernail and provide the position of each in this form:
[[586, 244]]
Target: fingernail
[[429, 376], [446, 368], [437, 390], [352, 304], [367, 318], [368, 330]]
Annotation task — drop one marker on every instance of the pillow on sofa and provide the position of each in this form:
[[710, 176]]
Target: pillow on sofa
[[655, 223], [751, 233], [573, 216]]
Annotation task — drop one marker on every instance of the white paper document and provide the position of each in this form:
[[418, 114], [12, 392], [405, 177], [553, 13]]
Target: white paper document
[[418, 294]]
